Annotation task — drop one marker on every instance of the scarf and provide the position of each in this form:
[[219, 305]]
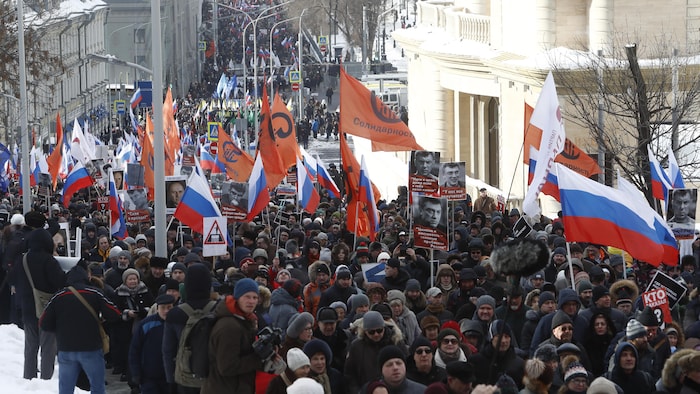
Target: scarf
[[233, 308], [435, 308], [324, 381], [442, 358]]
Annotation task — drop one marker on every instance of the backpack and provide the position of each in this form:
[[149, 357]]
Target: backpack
[[192, 359]]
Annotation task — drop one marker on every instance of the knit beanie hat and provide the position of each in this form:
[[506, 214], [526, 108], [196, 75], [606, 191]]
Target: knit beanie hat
[[506, 385], [297, 324], [372, 320], [35, 219], [339, 304], [130, 271], [499, 326], [544, 297], [647, 318], [599, 292], [601, 385], [305, 386], [547, 353], [114, 252], [358, 300], [179, 266], [418, 342], [285, 271], [634, 330], [448, 331], [297, 359], [393, 295], [293, 287], [198, 282], [583, 285], [245, 285], [390, 352], [412, 285], [575, 370], [485, 300], [560, 318]]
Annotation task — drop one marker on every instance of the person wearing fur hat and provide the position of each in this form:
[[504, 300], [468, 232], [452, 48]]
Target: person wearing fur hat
[[298, 366], [625, 374], [622, 294], [262, 311], [232, 361], [375, 292], [155, 276], [321, 358], [284, 303], [361, 364], [198, 287], [133, 300], [538, 377], [497, 356], [415, 298], [299, 331], [319, 276], [391, 362]]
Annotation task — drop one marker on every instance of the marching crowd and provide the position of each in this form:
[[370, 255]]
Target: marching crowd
[[296, 283]]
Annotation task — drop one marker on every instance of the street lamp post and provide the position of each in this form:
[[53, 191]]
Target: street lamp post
[[26, 195], [272, 83], [300, 42]]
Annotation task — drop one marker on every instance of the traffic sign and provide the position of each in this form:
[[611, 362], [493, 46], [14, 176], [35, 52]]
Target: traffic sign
[[213, 148], [295, 86], [213, 128], [323, 43], [216, 235], [294, 76], [120, 106], [202, 46]]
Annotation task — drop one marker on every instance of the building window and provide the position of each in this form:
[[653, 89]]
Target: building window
[[139, 36]]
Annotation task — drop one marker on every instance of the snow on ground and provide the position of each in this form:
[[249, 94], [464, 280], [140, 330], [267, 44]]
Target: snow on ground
[[12, 361]]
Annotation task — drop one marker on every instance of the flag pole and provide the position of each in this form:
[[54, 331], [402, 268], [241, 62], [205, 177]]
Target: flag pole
[[357, 214], [571, 266]]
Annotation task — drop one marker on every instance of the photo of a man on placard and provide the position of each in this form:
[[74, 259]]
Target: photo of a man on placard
[[452, 174], [235, 194], [681, 210], [425, 164], [118, 179], [174, 191], [431, 213]]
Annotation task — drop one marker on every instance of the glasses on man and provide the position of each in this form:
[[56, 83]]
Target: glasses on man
[[424, 350], [448, 341], [375, 331], [566, 328]]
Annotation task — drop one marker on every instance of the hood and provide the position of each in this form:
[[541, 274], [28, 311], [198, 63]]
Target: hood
[[312, 271], [281, 297], [622, 346], [463, 232], [628, 286], [77, 277], [39, 240], [445, 268], [567, 295], [265, 296], [239, 254], [532, 315]]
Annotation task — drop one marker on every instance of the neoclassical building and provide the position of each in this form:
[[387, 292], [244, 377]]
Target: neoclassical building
[[474, 63]]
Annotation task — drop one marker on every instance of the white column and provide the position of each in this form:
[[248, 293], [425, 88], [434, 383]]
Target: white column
[[482, 138], [600, 21], [545, 24]]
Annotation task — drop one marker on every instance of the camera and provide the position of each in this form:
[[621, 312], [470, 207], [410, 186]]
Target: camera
[[268, 340]]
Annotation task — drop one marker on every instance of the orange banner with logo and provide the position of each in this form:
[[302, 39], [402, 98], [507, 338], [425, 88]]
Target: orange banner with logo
[[273, 165], [238, 164], [572, 156], [363, 114], [285, 133]]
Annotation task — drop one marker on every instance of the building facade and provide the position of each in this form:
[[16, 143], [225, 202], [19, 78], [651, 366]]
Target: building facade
[[474, 63]]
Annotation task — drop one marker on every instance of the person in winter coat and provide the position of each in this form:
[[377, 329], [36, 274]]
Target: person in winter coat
[[392, 366], [562, 332], [568, 302], [285, 303], [435, 306], [77, 331], [690, 367], [299, 331], [319, 276], [601, 303], [576, 377], [448, 349], [446, 281], [459, 297], [113, 276], [336, 338], [48, 277], [232, 360], [341, 290], [415, 299], [420, 365], [546, 305], [298, 366], [404, 318], [599, 335], [396, 276], [488, 369], [320, 359], [625, 373], [361, 365], [133, 300], [513, 311], [146, 350]]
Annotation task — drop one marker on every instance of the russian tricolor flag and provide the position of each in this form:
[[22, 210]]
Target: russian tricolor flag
[[309, 163], [136, 99], [659, 180], [593, 212], [196, 204], [551, 185], [77, 179], [366, 195], [210, 162], [118, 224], [258, 195], [325, 179], [308, 195]]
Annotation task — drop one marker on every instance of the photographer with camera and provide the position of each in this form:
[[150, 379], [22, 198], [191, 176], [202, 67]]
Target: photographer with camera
[[234, 359]]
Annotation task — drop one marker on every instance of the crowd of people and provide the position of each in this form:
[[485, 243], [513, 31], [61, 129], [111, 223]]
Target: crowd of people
[[465, 329]]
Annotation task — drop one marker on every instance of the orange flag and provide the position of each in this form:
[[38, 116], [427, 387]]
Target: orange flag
[[357, 219], [238, 163], [285, 132], [363, 114], [56, 157], [147, 157], [273, 165], [572, 156], [172, 136]]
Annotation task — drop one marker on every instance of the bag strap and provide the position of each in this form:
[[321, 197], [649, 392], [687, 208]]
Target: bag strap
[[88, 306], [26, 270]]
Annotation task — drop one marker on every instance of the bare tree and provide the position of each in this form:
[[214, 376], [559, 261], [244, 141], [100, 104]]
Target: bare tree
[[636, 100]]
